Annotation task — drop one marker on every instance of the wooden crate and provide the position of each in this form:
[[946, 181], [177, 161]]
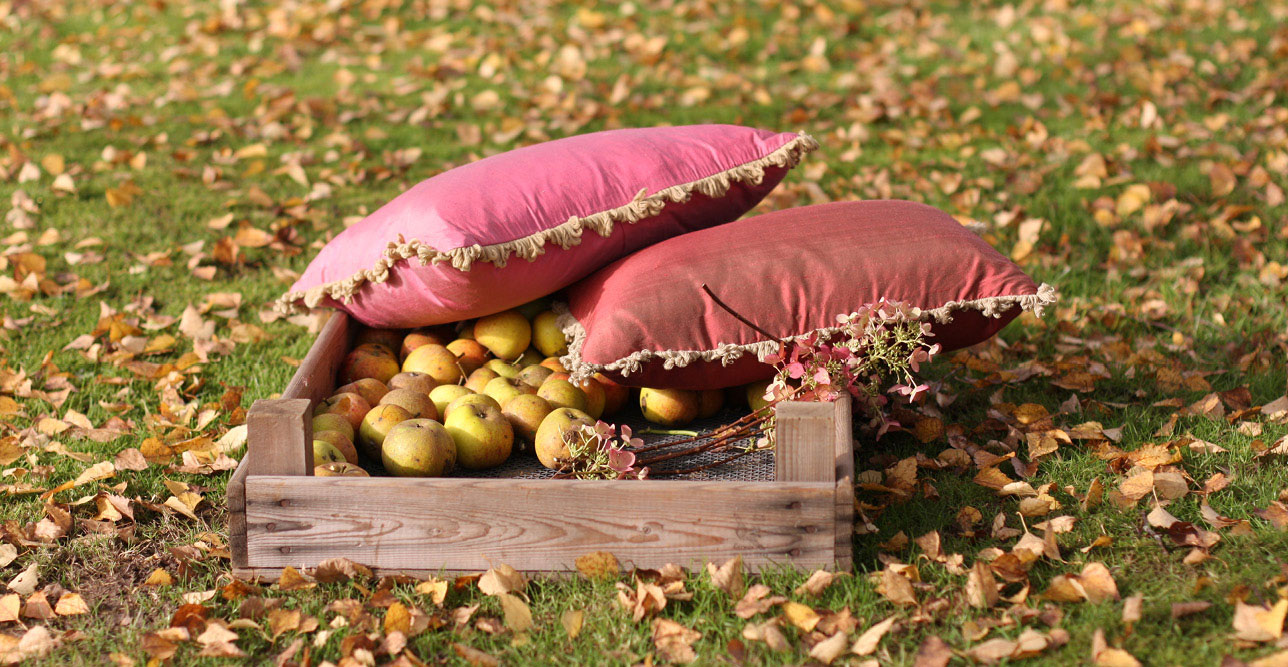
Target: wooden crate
[[281, 515]]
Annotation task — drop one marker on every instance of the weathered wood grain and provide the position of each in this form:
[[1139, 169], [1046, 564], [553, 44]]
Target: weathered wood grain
[[539, 525], [315, 378], [236, 493], [843, 437], [806, 441], [279, 437]]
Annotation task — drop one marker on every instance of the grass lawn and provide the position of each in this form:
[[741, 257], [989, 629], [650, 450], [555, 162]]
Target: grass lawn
[[168, 167]]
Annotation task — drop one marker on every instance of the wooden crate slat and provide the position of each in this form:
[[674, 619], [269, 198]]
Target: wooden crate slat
[[806, 443], [460, 523], [843, 440], [279, 437], [315, 378]]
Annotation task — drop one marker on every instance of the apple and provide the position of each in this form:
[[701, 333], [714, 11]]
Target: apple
[[554, 364], [563, 394], [422, 382], [615, 395], [525, 413], [505, 389], [436, 361], [547, 336], [479, 379], [534, 376], [339, 470], [387, 338], [530, 357], [756, 395], [533, 308], [370, 389], [503, 368], [338, 440], [376, 426], [549, 440], [483, 436], [595, 396], [418, 448], [709, 402], [369, 360], [425, 336], [325, 452], [469, 354], [418, 404], [470, 399], [330, 421], [349, 405], [669, 407], [444, 394], [505, 334]]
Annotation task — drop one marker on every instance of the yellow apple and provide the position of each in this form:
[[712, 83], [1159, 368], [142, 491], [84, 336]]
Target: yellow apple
[[554, 364], [469, 354], [434, 360], [479, 379], [418, 448], [370, 389], [348, 405], [325, 452], [525, 413], [530, 357], [669, 407], [505, 334], [503, 368], [615, 395], [376, 426], [417, 404], [505, 389], [549, 440], [534, 376], [338, 440], [563, 394], [421, 382], [470, 399], [424, 336], [756, 395], [547, 336], [444, 394], [483, 436], [339, 470], [330, 421], [369, 360]]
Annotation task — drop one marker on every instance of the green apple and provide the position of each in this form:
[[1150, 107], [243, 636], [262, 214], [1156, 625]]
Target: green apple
[[504, 389], [469, 399], [505, 334], [563, 394], [669, 407], [483, 436], [444, 394], [325, 452], [756, 395], [418, 448], [330, 421], [534, 376], [547, 336], [549, 440], [376, 425], [502, 368]]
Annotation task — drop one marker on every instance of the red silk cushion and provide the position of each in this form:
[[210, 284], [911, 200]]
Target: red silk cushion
[[645, 321]]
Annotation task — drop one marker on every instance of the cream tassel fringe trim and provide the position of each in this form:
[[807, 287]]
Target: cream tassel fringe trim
[[727, 353], [565, 235]]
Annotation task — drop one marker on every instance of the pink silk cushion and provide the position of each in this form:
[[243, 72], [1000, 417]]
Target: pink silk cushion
[[507, 229], [645, 321]]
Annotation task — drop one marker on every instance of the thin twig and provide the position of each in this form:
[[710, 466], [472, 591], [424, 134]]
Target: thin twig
[[686, 471], [742, 319]]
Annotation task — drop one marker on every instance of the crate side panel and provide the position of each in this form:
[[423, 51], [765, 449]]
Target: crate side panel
[[470, 524]]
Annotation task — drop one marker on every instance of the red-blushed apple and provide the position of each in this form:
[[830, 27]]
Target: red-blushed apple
[[349, 405], [534, 376], [533, 308], [504, 334], [549, 441], [554, 364], [563, 394], [503, 368], [469, 399], [709, 402], [756, 395], [418, 337], [478, 380], [390, 339], [444, 394], [595, 396], [525, 413], [547, 336], [370, 389], [505, 389], [469, 354], [413, 380], [436, 361], [340, 441], [344, 469], [325, 452], [330, 421], [669, 407], [372, 432], [483, 436], [615, 395], [419, 405], [418, 448], [370, 360]]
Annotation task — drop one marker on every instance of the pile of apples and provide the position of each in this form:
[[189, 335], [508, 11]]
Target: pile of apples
[[426, 401]]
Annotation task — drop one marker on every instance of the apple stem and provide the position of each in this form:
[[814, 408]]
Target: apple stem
[[667, 431]]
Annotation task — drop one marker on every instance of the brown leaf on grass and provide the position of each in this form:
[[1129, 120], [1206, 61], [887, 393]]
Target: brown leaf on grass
[[1182, 609], [728, 577], [158, 577], [1276, 514], [896, 587], [1103, 655], [518, 617], [10, 607], [435, 588], [1131, 610], [282, 620], [71, 604], [25, 582], [981, 587], [1030, 643], [571, 621], [674, 642], [867, 642], [501, 579], [1138, 486], [333, 570], [801, 616], [292, 580], [829, 649], [756, 601], [818, 582], [933, 652], [1094, 584], [1259, 624], [599, 565], [647, 599], [474, 656], [36, 642], [37, 607]]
